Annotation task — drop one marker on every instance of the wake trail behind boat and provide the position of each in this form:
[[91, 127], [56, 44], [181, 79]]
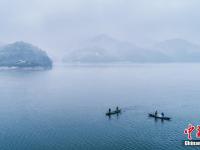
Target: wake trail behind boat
[[128, 108]]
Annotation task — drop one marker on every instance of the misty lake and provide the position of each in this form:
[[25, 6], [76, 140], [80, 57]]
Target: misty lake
[[64, 108]]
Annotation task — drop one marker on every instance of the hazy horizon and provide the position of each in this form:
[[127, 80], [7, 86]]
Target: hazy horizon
[[58, 25]]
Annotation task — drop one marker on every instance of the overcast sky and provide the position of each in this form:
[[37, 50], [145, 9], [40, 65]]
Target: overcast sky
[[56, 25]]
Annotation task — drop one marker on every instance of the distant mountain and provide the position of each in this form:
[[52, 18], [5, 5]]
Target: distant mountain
[[179, 50], [105, 49], [23, 55]]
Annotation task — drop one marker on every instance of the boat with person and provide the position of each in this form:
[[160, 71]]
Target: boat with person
[[113, 112], [159, 116], [117, 111]]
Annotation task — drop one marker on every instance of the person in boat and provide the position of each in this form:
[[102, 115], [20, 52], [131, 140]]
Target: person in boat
[[117, 108], [162, 114], [109, 110], [156, 113]]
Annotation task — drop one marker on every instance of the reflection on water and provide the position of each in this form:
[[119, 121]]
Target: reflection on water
[[114, 116], [64, 108]]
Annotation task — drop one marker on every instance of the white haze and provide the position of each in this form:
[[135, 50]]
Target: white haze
[[58, 25]]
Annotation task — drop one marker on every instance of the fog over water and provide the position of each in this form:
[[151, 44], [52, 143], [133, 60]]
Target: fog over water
[[58, 25], [135, 54]]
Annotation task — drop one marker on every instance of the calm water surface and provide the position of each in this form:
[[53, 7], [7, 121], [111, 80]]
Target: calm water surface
[[64, 108]]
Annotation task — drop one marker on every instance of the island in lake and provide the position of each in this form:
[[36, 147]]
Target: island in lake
[[24, 55]]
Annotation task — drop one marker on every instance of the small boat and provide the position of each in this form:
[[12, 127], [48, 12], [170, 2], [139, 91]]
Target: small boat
[[113, 112], [159, 116]]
